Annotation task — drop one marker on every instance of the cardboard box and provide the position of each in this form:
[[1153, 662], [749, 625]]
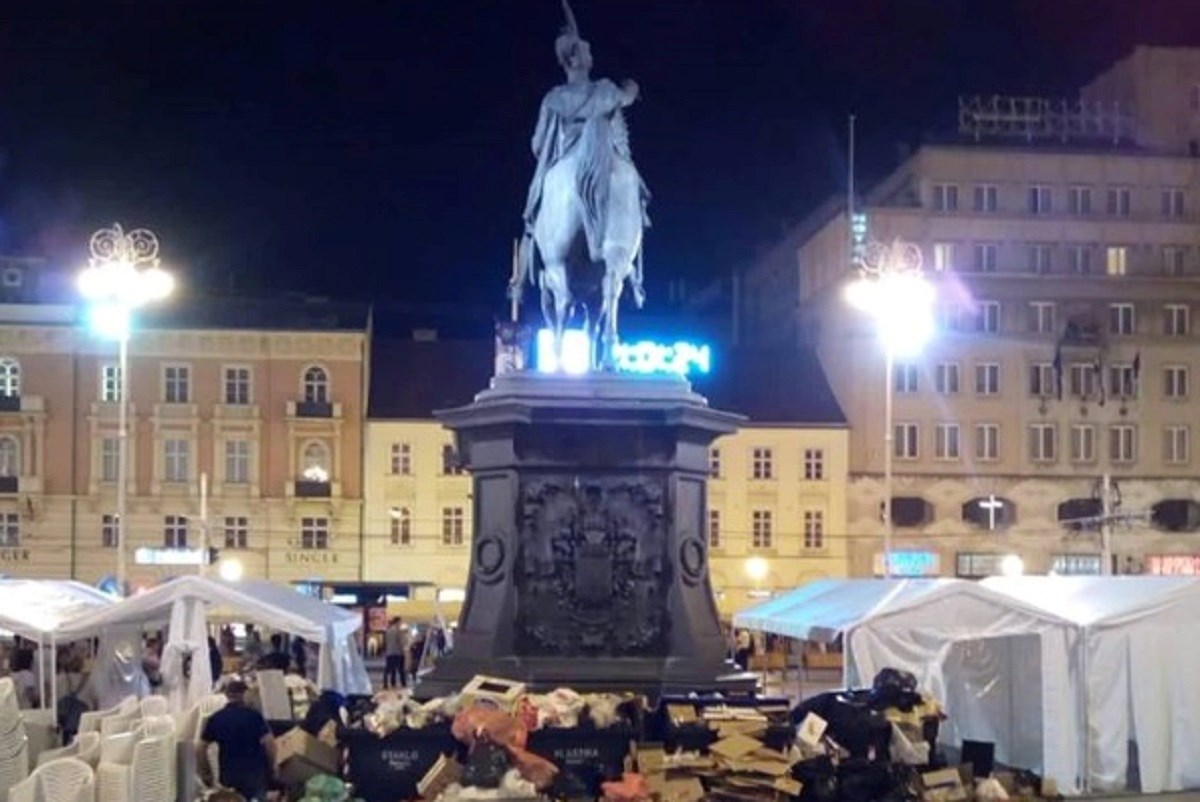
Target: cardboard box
[[300, 757], [503, 693], [447, 770], [944, 785]]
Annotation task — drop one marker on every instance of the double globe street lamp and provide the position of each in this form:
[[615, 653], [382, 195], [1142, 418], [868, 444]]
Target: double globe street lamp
[[122, 275], [891, 288]]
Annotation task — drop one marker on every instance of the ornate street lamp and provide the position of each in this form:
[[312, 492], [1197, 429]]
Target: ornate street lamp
[[122, 275], [890, 288]]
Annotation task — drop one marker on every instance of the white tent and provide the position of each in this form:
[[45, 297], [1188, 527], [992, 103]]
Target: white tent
[[188, 604], [1006, 671], [1140, 654], [38, 609]]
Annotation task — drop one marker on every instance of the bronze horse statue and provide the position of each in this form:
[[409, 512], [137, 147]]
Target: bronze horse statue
[[586, 209]]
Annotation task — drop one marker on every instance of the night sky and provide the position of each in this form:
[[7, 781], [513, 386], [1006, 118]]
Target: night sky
[[380, 150]]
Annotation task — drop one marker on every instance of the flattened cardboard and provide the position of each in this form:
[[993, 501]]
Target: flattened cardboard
[[683, 790], [441, 774], [682, 714], [1050, 788], [789, 786], [735, 746], [945, 785]]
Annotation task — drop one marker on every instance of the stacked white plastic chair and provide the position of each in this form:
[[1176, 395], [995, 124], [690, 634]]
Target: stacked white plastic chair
[[85, 747], [116, 768], [63, 780], [154, 706], [90, 721], [191, 725], [152, 778], [14, 745], [161, 727], [41, 730]]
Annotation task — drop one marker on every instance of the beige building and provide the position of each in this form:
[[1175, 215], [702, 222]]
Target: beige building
[[272, 417], [777, 499], [1062, 239]]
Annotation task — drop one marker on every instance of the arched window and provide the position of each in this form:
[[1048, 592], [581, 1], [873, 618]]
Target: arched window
[[10, 456], [401, 526], [315, 462], [316, 385], [10, 377]]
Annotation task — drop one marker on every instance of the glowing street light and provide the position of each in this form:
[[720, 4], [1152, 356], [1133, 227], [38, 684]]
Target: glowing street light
[[1012, 565], [892, 290], [122, 275], [231, 569]]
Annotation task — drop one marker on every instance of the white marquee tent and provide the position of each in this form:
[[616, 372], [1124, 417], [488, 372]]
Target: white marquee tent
[[1005, 670], [1062, 673], [188, 604], [39, 609], [1140, 654]]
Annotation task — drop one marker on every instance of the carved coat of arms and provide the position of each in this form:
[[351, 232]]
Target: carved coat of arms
[[592, 576]]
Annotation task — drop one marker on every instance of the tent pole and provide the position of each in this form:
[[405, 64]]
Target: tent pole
[[54, 683]]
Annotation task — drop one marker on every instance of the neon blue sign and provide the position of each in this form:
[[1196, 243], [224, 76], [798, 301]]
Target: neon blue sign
[[644, 356]]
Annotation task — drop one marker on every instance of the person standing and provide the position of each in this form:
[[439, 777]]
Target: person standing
[[300, 655], [245, 747], [395, 650]]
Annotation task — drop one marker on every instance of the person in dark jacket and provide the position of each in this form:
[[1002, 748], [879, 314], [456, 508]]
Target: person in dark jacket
[[215, 664]]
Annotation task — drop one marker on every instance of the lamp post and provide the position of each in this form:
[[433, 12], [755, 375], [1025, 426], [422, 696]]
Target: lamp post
[[122, 274], [892, 290]]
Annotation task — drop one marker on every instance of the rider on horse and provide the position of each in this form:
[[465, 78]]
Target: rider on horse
[[587, 115]]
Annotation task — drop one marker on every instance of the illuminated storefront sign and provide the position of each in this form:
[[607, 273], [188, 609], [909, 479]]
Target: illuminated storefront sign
[[911, 563], [1173, 564], [149, 556], [644, 356]]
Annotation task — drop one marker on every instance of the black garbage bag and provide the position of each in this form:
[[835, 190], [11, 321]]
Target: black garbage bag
[[818, 776], [894, 688], [863, 732], [486, 765], [861, 780]]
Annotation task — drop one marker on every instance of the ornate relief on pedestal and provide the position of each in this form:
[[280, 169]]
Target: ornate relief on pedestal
[[592, 572]]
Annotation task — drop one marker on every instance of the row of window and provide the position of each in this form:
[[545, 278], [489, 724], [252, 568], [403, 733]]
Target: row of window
[[401, 460], [1042, 442], [453, 526], [762, 530], [762, 464], [984, 317], [1044, 199], [1045, 258], [1082, 380], [236, 384], [177, 459]]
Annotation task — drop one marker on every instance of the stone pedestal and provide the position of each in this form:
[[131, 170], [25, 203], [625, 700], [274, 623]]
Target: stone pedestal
[[589, 557]]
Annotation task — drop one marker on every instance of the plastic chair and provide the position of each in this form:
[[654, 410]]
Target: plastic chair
[[116, 765], [41, 730], [85, 747], [155, 706], [90, 720], [152, 778], [63, 780], [14, 743], [119, 722]]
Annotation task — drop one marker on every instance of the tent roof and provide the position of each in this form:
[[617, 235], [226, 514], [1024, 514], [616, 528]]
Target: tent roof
[[1089, 600], [822, 609], [277, 606], [33, 607]]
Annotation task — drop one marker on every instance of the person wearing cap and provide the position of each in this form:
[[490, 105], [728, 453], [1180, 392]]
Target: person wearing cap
[[246, 749]]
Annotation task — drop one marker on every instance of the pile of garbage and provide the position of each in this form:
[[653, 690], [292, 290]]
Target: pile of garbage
[[327, 788], [562, 708]]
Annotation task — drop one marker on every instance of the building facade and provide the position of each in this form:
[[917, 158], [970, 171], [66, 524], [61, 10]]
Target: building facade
[[1063, 244], [270, 418], [777, 496]]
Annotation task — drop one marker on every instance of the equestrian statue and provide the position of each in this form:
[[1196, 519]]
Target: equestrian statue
[[586, 208]]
